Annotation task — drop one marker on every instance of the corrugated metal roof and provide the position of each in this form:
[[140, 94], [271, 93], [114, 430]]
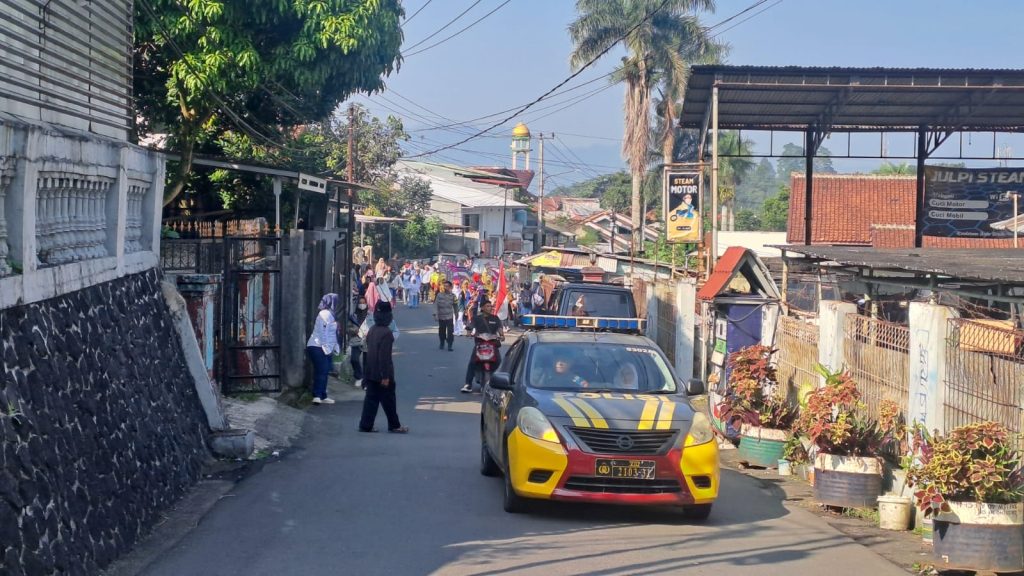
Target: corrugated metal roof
[[990, 265], [856, 99], [446, 184]]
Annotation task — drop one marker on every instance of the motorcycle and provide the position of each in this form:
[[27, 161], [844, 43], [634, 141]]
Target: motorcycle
[[486, 357]]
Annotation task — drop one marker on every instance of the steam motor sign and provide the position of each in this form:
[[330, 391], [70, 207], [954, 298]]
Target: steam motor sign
[[682, 206]]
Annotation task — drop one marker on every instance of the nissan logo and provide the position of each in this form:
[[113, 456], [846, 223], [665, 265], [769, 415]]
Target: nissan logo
[[624, 442]]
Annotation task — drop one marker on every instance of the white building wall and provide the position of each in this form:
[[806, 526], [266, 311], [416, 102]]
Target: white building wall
[[448, 211]]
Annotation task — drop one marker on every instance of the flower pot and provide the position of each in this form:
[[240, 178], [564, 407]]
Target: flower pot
[[762, 446], [980, 536], [894, 512], [785, 468], [926, 531], [847, 481]]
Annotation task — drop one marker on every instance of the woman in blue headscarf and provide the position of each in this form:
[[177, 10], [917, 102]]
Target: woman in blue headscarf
[[322, 345]]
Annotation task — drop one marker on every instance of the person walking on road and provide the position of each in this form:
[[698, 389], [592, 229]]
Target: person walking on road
[[444, 313], [322, 345], [355, 321], [379, 376]]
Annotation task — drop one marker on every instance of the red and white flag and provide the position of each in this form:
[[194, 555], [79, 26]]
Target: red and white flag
[[500, 306]]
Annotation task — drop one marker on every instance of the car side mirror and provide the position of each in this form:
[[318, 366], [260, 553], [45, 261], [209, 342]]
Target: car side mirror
[[501, 381], [695, 387]]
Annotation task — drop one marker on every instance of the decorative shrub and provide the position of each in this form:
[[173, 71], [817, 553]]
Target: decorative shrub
[[973, 463], [755, 398], [834, 419]]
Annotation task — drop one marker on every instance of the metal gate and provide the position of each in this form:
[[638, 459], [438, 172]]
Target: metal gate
[[251, 353]]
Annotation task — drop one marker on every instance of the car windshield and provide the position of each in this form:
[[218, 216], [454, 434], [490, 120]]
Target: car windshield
[[595, 303], [611, 367]]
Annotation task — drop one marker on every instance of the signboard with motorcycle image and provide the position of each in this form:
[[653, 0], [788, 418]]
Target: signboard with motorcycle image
[[682, 202]]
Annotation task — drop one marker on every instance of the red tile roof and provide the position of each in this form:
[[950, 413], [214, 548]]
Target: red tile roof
[[847, 205], [724, 270]]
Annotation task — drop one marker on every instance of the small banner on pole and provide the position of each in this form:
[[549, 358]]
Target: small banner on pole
[[971, 202], [682, 206]]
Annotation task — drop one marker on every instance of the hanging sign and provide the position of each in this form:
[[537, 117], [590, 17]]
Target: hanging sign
[[682, 206], [972, 203]]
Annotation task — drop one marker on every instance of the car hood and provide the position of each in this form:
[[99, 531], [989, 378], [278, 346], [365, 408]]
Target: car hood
[[614, 409]]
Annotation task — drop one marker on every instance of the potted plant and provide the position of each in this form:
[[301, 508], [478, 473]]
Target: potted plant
[[970, 482], [847, 444], [756, 407]]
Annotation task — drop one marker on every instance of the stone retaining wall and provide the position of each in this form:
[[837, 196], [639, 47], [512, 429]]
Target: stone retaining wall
[[100, 425]]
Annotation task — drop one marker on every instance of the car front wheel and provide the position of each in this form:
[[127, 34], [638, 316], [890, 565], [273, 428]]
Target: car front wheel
[[513, 503], [488, 467]]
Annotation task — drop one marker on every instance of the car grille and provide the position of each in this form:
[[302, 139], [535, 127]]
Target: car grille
[[606, 441], [621, 485]]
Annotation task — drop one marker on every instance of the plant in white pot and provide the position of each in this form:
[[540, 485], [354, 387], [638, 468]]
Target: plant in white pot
[[756, 406], [970, 482], [847, 443]]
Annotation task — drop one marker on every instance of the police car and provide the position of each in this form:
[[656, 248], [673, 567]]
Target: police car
[[596, 416]]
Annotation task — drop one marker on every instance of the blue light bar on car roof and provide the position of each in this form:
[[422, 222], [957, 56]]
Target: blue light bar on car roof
[[584, 322]]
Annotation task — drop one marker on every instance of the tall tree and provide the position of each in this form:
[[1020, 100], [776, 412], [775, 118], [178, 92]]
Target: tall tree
[[733, 168], [792, 160], [257, 67], [649, 30]]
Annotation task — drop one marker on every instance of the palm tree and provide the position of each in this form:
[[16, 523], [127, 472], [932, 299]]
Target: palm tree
[[657, 36], [732, 169]]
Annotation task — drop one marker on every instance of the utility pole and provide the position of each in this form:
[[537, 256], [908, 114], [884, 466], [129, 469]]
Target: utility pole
[[540, 201], [351, 225]]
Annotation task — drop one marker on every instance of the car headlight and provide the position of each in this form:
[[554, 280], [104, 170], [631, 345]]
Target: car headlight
[[535, 425], [700, 430]]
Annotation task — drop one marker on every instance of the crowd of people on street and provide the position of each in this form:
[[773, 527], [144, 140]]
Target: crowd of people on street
[[467, 299]]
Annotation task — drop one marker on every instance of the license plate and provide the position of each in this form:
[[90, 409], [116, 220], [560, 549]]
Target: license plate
[[637, 469]]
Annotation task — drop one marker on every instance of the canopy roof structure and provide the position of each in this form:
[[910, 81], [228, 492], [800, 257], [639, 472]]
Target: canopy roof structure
[[996, 275], [856, 99], [817, 101]]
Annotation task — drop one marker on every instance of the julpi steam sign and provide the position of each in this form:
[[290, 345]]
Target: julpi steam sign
[[682, 206], [971, 203]]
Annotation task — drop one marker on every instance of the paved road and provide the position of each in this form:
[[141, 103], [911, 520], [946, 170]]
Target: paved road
[[342, 502]]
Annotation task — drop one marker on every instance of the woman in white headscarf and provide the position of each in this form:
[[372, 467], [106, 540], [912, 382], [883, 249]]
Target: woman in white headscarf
[[627, 378]]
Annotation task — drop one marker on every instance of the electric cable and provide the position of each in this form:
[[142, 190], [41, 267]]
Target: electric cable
[[474, 23], [450, 22], [416, 13]]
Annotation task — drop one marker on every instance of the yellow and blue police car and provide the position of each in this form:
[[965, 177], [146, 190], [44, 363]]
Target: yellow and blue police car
[[596, 416]]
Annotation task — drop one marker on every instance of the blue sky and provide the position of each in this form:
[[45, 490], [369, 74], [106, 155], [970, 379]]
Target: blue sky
[[522, 50]]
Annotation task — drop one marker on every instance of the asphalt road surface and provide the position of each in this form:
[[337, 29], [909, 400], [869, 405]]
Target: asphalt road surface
[[343, 502]]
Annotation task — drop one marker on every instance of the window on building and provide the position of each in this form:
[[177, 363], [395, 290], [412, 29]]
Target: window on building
[[472, 221]]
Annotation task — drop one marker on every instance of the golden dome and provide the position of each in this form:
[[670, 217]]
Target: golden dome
[[520, 131]]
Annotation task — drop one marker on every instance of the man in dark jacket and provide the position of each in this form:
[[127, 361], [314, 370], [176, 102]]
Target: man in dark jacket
[[379, 373], [486, 322]]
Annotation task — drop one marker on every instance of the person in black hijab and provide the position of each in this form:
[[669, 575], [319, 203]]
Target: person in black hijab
[[379, 373]]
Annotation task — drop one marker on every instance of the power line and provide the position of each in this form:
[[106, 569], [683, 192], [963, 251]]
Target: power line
[[474, 23], [416, 13], [442, 28], [566, 81]]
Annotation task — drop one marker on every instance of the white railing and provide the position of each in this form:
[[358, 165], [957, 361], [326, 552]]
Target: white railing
[[79, 211]]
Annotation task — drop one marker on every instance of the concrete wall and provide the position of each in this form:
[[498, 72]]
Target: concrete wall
[[77, 210], [101, 427]]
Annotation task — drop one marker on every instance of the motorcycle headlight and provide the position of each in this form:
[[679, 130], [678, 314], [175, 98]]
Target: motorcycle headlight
[[535, 425], [700, 430]]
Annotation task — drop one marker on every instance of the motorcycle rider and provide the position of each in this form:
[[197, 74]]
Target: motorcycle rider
[[486, 322]]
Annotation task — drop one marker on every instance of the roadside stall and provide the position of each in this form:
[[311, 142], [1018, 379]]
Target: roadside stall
[[739, 305]]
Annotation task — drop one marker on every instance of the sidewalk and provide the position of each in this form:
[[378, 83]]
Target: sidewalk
[[904, 549]]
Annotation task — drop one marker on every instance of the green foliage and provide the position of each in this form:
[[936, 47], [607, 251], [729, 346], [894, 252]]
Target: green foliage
[[759, 184], [891, 169], [794, 451], [833, 419], [275, 64], [775, 212], [747, 220], [588, 238], [754, 394], [417, 238], [973, 463], [792, 160]]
